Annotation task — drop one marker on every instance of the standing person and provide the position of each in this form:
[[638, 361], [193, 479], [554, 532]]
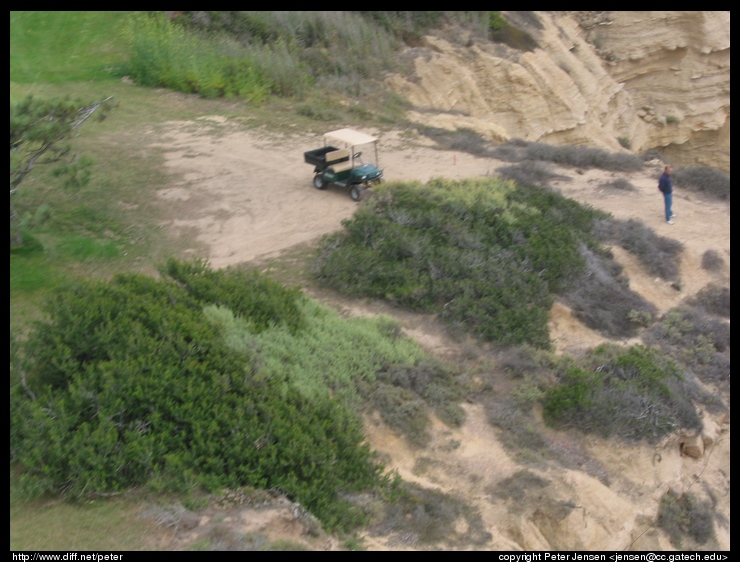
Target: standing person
[[665, 184]]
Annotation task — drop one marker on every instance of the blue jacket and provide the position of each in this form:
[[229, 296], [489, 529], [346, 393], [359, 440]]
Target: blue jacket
[[665, 184]]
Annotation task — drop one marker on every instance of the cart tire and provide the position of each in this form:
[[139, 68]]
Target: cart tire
[[355, 192], [318, 182]]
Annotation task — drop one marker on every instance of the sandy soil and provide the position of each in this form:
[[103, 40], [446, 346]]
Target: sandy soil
[[247, 195]]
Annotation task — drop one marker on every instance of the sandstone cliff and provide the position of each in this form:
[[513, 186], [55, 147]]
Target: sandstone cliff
[[647, 80]]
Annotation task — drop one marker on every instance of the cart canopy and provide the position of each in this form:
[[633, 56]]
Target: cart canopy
[[349, 137]]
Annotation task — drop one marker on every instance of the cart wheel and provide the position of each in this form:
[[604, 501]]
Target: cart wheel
[[355, 192], [318, 182]]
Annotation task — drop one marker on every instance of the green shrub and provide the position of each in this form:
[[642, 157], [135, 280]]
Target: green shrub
[[519, 361], [633, 393], [330, 355], [649, 155], [514, 38], [496, 21], [365, 362], [518, 433], [259, 300], [291, 51], [691, 337], [402, 411], [403, 23], [482, 253], [167, 55], [518, 486], [128, 384]]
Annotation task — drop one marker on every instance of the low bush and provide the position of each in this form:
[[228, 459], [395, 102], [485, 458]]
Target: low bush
[[519, 361], [127, 383], [514, 37], [695, 339], [569, 155], [402, 411], [431, 382], [518, 433], [253, 54], [602, 300], [685, 515], [714, 299], [365, 362], [518, 486], [530, 174], [421, 516], [484, 254], [318, 112], [329, 356], [462, 140], [164, 54], [659, 255], [624, 142], [257, 299], [634, 393], [619, 184], [703, 179], [649, 155], [711, 260]]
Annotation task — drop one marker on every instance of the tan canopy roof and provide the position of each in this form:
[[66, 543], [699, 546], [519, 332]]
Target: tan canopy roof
[[349, 137]]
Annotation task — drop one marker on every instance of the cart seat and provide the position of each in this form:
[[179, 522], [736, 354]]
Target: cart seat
[[338, 161], [341, 167]]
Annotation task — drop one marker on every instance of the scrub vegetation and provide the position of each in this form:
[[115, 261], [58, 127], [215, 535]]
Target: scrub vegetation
[[484, 254], [135, 373]]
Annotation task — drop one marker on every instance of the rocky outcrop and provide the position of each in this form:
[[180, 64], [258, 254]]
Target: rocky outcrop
[[643, 80], [676, 68]]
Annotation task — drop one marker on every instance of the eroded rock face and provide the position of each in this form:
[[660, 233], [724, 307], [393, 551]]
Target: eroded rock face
[[650, 80], [676, 64]]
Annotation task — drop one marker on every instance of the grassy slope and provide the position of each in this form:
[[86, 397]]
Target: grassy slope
[[81, 54], [59, 47], [106, 227]]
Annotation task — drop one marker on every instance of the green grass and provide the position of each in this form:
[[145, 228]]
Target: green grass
[[51, 524], [57, 47], [29, 269], [110, 224]]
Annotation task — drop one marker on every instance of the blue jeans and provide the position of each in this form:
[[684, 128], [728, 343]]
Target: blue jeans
[[668, 203]]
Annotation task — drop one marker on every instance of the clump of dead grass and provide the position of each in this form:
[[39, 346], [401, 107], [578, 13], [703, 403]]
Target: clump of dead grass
[[683, 516], [417, 516]]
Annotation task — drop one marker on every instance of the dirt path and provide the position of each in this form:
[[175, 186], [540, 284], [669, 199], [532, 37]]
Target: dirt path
[[247, 195]]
